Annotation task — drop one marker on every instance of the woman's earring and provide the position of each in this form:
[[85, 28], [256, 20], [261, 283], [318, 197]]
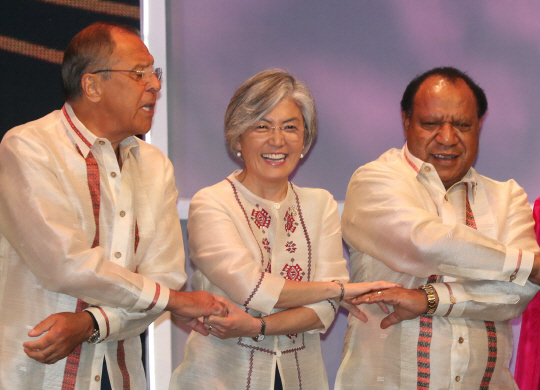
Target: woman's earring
[[239, 154], [302, 155]]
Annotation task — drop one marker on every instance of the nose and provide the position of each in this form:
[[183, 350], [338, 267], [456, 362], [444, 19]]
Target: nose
[[153, 85], [447, 135], [277, 138]]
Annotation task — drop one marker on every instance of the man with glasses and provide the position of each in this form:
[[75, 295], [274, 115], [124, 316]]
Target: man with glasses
[[91, 249]]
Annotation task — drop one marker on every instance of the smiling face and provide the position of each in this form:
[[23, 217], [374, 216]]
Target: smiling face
[[127, 104], [271, 155], [444, 127]]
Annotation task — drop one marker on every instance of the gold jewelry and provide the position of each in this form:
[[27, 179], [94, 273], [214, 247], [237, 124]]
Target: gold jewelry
[[430, 292], [342, 289]]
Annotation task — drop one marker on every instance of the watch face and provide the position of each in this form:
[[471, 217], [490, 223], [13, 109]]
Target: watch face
[[258, 338]]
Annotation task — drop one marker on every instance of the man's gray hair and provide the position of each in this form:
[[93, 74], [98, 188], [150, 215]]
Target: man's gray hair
[[259, 95]]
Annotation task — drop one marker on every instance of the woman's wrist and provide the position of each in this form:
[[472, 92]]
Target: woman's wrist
[[340, 290]]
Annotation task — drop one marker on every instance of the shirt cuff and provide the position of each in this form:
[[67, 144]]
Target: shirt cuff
[[326, 311], [265, 294], [518, 265], [102, 320], [153, 299]]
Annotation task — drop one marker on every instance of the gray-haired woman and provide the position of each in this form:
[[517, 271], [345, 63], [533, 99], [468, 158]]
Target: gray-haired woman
[[271, 248]]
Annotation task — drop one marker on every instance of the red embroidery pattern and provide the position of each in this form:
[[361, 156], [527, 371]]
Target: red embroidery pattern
[[266, 244], [255, 289], [73, 359], [298, 370], [261, 218], [121, 359], [423, 348], [245, 216], [490, 326], [411, 163], [291, 247], [92, 173], [293, 272], [292, 336], [492, 355], [290, 223], [306, 234]]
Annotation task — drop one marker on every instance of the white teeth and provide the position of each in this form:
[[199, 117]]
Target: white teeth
[[147, 108], [444, 157], [274, 157]]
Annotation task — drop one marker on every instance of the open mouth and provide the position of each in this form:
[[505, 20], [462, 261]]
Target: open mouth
[[445, 156], [274, 157], [148, 107]]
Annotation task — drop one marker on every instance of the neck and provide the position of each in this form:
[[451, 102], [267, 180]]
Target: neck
[[273, 191], [93, 120]]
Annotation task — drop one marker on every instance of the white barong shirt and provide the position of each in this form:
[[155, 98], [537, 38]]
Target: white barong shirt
[[47, 228], [402, 225], [244, 248]]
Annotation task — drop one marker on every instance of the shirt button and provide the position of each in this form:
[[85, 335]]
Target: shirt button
[[277, 206], [117, 255], [458, 378], [446, 197], [101, 143], [513, 277], [113, 174], [461, 340], [453, 300], [427, 169], [97, 378], [122, 213]]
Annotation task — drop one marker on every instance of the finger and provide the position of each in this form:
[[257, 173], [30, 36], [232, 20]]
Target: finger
[[355, 311], [197, 326], [43, 326], [382, 285], [39, 344], [383, 307], [390, 320]]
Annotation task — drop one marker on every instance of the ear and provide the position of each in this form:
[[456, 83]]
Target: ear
[[91, 87], [405, 120]]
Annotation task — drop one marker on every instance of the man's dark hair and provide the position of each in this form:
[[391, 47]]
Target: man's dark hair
[[90, 50], [452, 75]]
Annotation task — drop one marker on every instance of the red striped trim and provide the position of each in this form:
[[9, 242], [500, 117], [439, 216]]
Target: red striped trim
[[106, 321], [92, 172], [75, 128], [492, 355], [518, 265], [411, 163], [452, 299], [121, 359], [74, 358], [423, 348], [156, 297], [490, 325], [469, 216]]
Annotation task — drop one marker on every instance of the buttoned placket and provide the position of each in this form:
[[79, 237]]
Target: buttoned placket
[[121, 195], [446, 202]]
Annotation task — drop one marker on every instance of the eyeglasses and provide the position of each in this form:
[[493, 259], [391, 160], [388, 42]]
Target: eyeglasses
[[289, 132], [141, 76]]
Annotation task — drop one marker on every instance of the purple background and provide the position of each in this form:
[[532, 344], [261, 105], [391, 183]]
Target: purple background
[[357, 57]]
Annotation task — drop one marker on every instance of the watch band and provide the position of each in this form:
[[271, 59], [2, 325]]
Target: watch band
[[430, 292], [94, 337], [260, 336]]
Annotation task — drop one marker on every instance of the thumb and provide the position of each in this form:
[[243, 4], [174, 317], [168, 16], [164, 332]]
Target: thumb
[[43, 326]]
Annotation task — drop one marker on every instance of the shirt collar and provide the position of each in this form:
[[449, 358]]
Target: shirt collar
[[128, 145], [419, 168]]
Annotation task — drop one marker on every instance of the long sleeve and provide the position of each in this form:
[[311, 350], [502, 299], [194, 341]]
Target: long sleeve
[[221, 255], [390, 216], [46, 229]]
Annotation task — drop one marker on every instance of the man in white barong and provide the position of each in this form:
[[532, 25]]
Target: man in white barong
[[90, 242], [461, 244]]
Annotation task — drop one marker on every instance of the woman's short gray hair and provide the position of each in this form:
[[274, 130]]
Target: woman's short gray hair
[[259, 95]]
